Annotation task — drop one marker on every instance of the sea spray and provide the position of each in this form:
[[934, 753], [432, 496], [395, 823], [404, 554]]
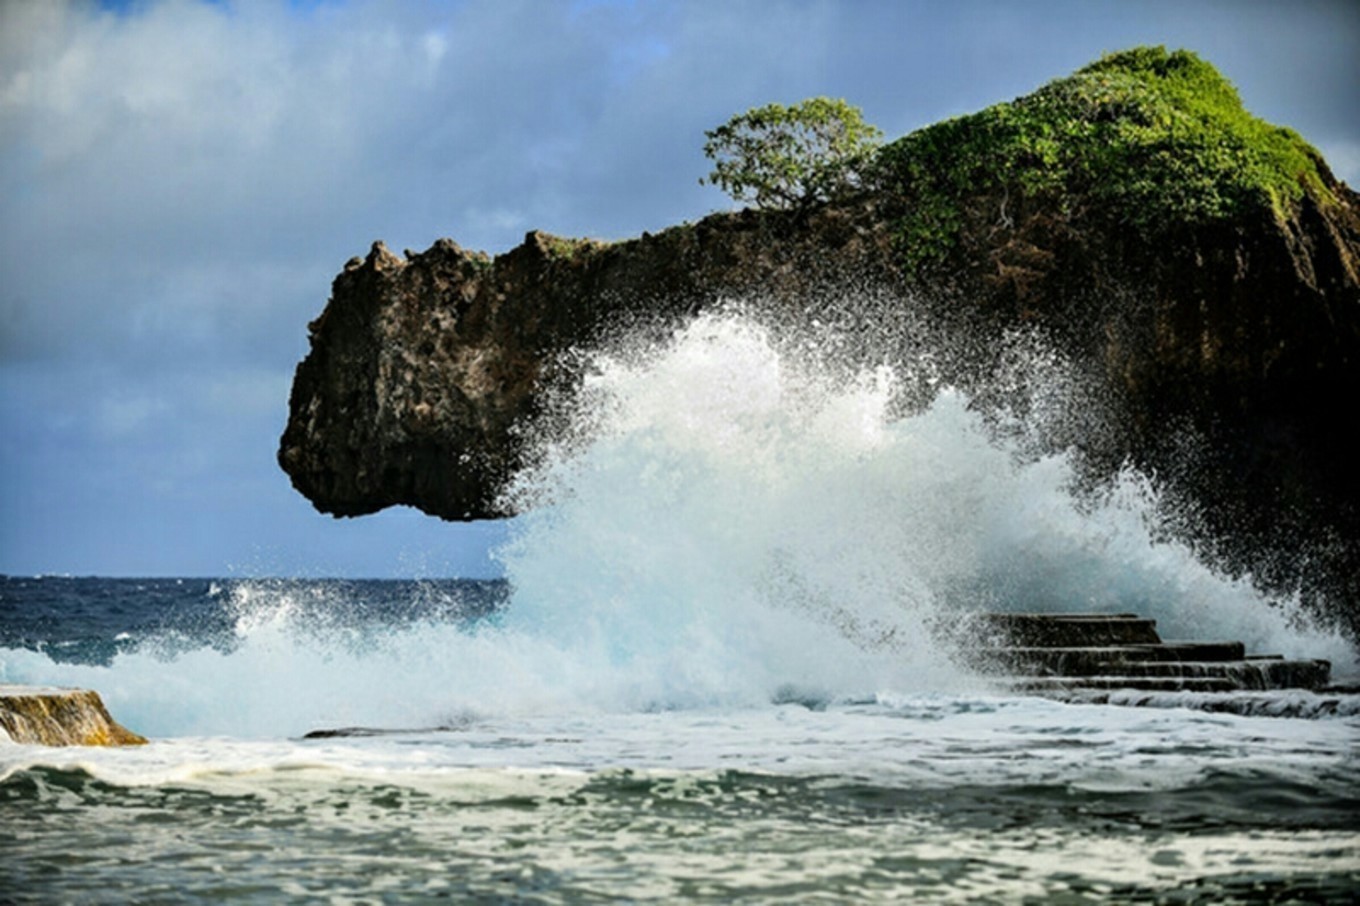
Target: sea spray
[[736, 499], [702, 523], [711, 675], [727, 514]]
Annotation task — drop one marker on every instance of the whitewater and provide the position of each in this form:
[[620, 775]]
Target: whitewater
[[716, 669]]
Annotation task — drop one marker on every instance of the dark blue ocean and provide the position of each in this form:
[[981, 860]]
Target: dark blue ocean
[[711, 674], [90, 620]]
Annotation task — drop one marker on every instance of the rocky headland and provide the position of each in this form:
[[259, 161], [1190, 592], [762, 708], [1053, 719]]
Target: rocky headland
[[1201, 266]]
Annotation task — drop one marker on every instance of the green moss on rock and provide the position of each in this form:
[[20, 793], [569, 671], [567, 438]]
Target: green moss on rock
[[570, 249], [1146, 140]]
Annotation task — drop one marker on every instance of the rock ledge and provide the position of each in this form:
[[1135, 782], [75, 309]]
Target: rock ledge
[[53, 716]]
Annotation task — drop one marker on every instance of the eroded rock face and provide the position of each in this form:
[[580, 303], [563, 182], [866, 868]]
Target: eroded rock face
[[422, 366], [1231, 353], [46, 716], [1227, 347]]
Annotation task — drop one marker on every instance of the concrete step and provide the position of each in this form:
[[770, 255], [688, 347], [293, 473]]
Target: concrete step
[[1089, 661], [1247, 675], [1032, 630], [1066, 684], [1047, 653]]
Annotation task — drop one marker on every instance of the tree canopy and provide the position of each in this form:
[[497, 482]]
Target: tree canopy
[[786, 157]]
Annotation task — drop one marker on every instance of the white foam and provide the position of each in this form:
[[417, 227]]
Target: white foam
[[722, 486]]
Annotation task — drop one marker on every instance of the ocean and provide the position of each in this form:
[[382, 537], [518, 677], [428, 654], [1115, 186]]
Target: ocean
[[713, 672]]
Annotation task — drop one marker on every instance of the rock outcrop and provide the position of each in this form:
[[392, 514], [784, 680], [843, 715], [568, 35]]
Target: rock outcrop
[[47, 716], [1202, 265], [422, 366]]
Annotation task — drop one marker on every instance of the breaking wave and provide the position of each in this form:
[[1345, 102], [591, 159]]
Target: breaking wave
[[723, 514]]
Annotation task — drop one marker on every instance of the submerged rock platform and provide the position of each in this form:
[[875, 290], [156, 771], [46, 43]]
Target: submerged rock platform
[[54, 716]]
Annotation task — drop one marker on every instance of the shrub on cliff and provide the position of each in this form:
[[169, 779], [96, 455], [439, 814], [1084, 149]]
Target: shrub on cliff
[[787, 157], [1142, 139]]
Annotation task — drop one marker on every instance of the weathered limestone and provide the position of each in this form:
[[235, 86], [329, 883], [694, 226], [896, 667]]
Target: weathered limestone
[[51, 716], [422, 368]]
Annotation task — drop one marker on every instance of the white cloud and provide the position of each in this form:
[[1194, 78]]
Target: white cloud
[[138, 151], [435, 46], [121, 414]]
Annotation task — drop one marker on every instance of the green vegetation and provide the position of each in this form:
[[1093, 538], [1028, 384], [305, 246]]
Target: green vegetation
[[1144, 138], [788, 157], [562, 247]]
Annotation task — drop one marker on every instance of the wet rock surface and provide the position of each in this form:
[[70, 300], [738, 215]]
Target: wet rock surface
[[50, 716]]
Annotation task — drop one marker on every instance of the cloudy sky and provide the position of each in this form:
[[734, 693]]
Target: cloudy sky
[[181, 179]]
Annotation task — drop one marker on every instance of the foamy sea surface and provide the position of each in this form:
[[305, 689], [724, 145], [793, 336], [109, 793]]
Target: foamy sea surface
[[713, 672]]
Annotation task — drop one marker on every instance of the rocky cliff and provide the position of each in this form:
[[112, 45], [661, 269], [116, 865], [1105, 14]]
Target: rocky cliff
[[1202, 265], [422, 366]]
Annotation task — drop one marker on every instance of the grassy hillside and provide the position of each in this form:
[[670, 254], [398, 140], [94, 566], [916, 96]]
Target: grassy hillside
[[1144, 140]]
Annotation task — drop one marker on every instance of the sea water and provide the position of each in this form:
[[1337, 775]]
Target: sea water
[[712, 672]]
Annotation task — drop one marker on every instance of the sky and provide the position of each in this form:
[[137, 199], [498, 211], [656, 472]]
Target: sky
[[180, 181]]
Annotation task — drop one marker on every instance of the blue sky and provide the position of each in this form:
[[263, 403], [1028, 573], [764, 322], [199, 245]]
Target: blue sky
[[180, 181]]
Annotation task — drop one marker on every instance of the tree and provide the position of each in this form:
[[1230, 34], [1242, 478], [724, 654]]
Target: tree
[[788, 157]]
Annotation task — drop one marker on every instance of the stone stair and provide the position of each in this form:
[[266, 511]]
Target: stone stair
[[1063, 653]]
